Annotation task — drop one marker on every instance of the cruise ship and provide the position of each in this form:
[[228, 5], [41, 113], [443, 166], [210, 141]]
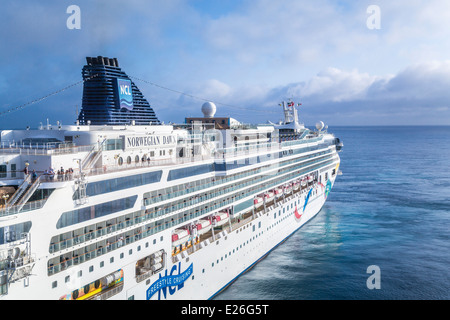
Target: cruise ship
[[122, 206]]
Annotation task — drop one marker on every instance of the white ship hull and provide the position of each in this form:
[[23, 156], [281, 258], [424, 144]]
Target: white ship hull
[[199, 272]]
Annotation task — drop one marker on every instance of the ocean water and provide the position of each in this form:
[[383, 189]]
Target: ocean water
[[390, 209]]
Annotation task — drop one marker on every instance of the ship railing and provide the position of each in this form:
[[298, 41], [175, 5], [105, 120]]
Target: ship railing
[[29, 206], [240, 149], [254, 149], [294, 142], [45, 149], [145, 164]]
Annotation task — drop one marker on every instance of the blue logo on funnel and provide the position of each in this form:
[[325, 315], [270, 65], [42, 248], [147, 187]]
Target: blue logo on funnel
[[124, 93]]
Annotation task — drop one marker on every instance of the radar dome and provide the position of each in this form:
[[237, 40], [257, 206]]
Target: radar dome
[[320, 125], [209, 109]]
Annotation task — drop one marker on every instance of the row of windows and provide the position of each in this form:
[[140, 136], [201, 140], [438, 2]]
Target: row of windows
[[144, 158], [189, 172], [157, 196], [13, 232], [101, 247], [91, 268], [201, 169], [253, 181], [111, 185], [259, 159], [84, 214]]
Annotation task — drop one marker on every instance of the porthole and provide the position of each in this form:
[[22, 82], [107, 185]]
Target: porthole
[[120, 161], [129, 160], [136, 159]]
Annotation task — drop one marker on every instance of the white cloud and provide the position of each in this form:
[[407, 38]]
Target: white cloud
[[214, 88]]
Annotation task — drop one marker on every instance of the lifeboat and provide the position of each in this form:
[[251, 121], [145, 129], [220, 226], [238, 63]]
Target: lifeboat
[[269, 196], [221, 218], [296, 185], [288, 188], [258, 201], [203, 226], [278, 192], [180, 236], [303, 182]]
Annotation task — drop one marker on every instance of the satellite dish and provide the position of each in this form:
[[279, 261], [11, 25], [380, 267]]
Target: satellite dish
[[320, 125]]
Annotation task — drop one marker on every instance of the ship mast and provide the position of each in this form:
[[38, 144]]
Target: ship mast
[[290, 112]]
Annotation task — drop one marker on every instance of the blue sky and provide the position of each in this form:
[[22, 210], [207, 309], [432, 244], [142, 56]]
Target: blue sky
[[245, 55]]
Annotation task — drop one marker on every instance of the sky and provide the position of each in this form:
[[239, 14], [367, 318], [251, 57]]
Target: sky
[[347, 62]]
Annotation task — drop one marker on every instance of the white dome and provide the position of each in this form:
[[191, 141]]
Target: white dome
[[320, 125], [209, 109]]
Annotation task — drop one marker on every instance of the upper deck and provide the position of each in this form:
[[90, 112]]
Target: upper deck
[[123, 150]]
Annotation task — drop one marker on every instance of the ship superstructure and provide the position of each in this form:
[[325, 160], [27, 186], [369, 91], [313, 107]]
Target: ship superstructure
[[119, 206]]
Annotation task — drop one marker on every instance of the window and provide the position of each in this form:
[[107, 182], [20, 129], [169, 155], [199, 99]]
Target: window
[[13, 232], [84, 214], [113, 144], [120, 161], [128, 160], [13, 170], [3, 171], [188, 172], [111, 185]]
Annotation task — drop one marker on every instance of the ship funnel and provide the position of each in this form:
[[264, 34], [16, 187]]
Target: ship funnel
[[110, 97]]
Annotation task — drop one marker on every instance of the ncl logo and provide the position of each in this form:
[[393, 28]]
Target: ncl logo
[[170, 282], [125, 89], [124, 94]]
